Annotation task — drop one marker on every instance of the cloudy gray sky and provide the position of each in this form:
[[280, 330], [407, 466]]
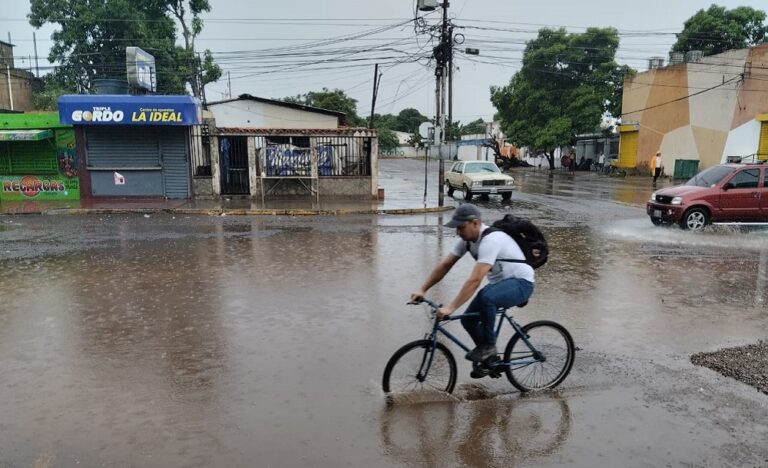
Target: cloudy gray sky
[[281, 48]]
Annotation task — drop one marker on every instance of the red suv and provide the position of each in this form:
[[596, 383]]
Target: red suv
[[721, 194]]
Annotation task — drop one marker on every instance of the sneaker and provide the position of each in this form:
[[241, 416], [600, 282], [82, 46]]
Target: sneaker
[[478, 373], [481, 353]]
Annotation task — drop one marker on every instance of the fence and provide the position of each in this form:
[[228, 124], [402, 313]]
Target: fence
[[292, 156]]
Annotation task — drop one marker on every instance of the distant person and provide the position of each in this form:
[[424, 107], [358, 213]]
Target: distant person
[[656, 167], [601, 161], [572, 161]]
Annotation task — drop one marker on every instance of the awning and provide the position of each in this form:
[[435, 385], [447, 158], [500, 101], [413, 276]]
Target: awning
[[107, 109], [25, 135]]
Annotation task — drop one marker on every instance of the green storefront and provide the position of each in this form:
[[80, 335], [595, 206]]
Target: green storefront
[[38, 160]]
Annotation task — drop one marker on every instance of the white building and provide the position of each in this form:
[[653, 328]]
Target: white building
[[255, 112]]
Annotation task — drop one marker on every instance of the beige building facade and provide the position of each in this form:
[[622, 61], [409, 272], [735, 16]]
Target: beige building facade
[[713, 110]]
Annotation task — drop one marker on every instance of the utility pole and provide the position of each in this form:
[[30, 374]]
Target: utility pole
[[376, 81], [37, 67], [442, 54]]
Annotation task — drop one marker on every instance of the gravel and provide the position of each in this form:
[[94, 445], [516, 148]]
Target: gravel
[[747, 364]]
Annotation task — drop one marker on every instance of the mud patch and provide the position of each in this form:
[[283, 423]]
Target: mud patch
[[747, 364]]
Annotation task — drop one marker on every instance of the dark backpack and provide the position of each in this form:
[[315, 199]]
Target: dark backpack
[[528, 237]]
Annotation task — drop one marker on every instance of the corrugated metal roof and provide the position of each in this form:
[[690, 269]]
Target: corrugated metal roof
[[248, 97]]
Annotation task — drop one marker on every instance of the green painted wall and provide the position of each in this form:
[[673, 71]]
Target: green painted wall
[[30, 121]]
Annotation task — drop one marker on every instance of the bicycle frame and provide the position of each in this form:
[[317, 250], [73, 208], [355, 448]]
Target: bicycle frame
[[438, 328]]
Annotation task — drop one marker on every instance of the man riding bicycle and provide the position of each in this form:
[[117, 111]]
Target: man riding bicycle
[[510, 283]]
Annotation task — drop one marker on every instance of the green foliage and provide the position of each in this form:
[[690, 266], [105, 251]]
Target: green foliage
[[92, 36], [473, 128], [387, 139], [718, 29], [385, 121], [335, 100], [409, 119], [566, 84], [48, 98]]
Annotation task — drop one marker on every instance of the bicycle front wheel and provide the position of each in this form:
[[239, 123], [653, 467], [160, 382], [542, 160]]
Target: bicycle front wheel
[[418, 366], [547, 364]]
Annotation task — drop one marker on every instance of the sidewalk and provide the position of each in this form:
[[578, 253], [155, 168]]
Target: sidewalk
[[247, 206], [403, 195]]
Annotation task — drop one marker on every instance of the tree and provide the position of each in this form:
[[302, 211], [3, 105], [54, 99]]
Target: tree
[[387, 139], [409, 119], [473, 128], [92, 38], [717, 29], [565, 86], [210, 72], [335, 100]]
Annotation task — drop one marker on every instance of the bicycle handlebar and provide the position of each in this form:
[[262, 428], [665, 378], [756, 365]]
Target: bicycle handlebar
[[434, 305]]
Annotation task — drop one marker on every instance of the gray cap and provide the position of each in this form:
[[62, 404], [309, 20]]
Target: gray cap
[[464, 213]]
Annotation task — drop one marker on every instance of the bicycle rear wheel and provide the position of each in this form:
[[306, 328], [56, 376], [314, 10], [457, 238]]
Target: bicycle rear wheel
[[418, 366], [545, 368]]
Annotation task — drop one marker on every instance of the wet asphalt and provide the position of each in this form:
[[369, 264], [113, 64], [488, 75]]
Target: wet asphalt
[[173, 340]]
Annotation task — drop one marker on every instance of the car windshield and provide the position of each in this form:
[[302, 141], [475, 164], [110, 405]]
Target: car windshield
[[481, 167], [710, 177]]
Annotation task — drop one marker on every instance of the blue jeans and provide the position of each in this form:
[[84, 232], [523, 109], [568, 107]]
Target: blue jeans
[[506, 293]]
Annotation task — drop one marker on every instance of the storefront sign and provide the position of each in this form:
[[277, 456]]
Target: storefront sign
[[32, 187], [129, 110], [141, 68], [25, 135]]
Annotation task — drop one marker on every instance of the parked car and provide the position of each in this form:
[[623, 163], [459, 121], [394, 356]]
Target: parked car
[[726, 193], [478, 177]]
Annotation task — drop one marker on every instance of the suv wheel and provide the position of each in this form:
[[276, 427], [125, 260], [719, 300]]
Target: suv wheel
[[467, 193], [695, 219]]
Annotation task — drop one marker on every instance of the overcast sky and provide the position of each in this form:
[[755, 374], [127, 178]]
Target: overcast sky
[[272, 49]]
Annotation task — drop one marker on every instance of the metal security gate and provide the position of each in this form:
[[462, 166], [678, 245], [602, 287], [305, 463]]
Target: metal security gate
[[138, 161], [174, 158], [233, 153]]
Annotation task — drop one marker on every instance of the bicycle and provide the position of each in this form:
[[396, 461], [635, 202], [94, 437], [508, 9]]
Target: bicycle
[[614, 171], [539, 356]]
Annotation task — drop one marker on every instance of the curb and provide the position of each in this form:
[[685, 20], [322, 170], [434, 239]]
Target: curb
[[240, 212]]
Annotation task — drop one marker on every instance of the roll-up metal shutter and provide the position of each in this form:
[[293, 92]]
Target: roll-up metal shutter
[[176, 177], [123, 147]]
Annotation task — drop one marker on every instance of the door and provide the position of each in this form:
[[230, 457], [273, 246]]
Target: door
[[233, 155], [628, 149], [741, 201], [454, 175], [175, 160]]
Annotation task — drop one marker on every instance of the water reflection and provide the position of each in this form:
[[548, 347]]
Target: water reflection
[[501, 431]]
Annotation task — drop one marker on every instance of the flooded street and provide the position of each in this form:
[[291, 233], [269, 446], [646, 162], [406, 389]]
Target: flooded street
[[167, 340]]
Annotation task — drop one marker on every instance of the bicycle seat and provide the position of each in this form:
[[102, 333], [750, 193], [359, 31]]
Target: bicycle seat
[[503, 309]]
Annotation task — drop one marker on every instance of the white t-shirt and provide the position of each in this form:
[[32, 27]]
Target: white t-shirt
[[658, 161], [494, 246]]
